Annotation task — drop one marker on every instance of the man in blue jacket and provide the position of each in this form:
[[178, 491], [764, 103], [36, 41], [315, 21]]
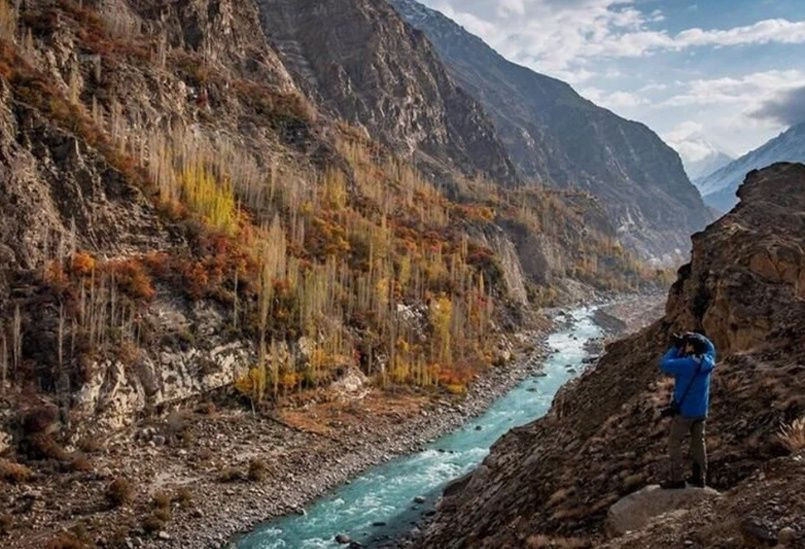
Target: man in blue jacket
[[690, 360]]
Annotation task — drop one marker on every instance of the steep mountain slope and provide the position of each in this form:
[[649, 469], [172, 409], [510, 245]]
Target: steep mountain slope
[[555, 136], [202, 225], [603, 438], [718, 188], [370, 68]]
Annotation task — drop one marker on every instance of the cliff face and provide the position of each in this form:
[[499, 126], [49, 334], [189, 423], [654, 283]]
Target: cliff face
[[603, 438], [555, 136], [367, 66]]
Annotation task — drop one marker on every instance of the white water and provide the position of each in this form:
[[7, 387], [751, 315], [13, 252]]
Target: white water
[[385, 493]]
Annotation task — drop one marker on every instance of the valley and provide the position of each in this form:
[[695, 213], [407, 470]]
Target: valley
[[333, 273]]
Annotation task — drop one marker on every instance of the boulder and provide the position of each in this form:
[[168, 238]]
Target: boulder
[[636, 510]]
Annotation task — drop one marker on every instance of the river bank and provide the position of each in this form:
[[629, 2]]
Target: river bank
[[202, 459]]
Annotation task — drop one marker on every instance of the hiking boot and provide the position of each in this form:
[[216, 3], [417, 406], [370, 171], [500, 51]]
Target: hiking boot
[[673, 485], [698, 482], [697, 478]]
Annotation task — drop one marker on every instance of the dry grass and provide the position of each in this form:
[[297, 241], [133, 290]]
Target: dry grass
[[162, 500], [258, 470], [119, 492], [230, 474], [80, 462], [14, 472], [6, 523], [8, 20], [792, 436], [65, 540], [153, 523]]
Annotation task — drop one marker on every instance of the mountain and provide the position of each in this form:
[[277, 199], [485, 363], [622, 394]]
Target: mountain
[[555, 136], [551, 482], [361, 62], [698, 169], [219, 197], [700, 157], [718, 188]]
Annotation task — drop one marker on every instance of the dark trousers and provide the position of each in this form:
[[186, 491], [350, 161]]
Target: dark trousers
[[680, 427]]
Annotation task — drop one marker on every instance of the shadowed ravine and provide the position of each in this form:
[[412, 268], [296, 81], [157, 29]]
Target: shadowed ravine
[[380, 503]]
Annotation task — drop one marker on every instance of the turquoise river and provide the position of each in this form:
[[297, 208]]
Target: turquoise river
[[380, 503]]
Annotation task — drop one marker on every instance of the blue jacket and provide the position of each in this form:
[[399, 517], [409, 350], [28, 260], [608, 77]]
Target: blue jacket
[[683, 368]]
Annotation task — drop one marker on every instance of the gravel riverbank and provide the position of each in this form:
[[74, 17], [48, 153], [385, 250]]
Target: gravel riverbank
[[205, 460], [338, 459]]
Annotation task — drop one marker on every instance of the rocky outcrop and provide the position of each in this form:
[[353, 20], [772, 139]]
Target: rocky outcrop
[[57, 167], [746, 280], [604, 437], [366, 65], [555, 136]]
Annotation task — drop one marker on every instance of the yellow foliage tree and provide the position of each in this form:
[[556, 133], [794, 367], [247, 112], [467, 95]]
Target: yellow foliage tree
[[214, 201], [253, 384], [441, 313]]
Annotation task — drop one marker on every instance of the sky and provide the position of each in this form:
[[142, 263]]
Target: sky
[[704, 74]]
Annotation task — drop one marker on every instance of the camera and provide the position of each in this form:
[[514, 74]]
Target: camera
[[678, 340]]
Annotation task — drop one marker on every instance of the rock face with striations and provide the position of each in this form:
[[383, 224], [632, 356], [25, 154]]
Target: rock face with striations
[[366, 65], [604, 438], [556, 136]]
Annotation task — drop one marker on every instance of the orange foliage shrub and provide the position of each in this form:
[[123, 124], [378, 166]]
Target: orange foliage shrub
[[82, 264], [132, 278]]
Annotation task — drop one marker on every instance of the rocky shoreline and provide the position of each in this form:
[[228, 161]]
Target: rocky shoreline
[[334, 466], [446, 417], [206, 455], [241, 512]]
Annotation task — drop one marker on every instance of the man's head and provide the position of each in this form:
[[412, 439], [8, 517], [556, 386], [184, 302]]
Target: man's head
[[690, 343], [689, 348], [695, 344]]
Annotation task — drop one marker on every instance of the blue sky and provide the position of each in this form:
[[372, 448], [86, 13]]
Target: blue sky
[[708, 74]]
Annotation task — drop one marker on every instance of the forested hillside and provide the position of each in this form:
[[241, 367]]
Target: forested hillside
[[191, 201]]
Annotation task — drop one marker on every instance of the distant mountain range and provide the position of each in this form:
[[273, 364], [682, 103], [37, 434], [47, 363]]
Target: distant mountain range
[[713, 160], [555, 136], [718, 188]]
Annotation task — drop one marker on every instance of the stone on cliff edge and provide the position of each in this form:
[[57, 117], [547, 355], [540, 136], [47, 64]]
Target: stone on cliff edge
[[636, 510]]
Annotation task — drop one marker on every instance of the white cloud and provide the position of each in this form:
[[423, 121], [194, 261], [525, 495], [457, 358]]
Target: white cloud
[[688, 139], [586, 43], [554, 35], [616, 101], [749, 90], [515, 7], [653, 87], [684, 130], [726, 112]]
